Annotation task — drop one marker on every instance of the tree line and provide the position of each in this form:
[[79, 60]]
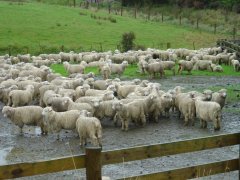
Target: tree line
[[231, 5]]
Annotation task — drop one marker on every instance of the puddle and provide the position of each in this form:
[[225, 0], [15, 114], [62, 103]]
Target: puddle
[[3, 154]]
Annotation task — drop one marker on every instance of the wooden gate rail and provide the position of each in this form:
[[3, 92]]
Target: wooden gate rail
[[192, 172], [117, 156], [158, 150]]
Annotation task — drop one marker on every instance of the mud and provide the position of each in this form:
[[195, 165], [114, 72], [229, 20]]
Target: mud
[[31, 146]]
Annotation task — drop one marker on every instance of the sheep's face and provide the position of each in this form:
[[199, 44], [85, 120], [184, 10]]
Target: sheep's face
[[96, 102], [223, 93], [208, 94], [117, 105], [7, 111], [108, 96], [167, 97]]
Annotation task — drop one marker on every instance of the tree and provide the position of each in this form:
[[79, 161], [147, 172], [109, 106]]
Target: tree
[[127, 41]]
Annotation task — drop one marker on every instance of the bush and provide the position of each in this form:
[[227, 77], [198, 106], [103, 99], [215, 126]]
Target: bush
[[127, 41]]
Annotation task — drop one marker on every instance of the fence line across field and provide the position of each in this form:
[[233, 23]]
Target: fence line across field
[[94, 159]]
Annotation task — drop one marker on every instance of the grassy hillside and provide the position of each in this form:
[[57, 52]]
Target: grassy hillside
[[41, 28]]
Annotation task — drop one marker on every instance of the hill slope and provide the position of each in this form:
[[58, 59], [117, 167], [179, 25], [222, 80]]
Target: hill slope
[[38, 28]]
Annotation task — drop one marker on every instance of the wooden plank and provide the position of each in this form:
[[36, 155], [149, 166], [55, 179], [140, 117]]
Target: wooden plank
[[191, 172], [171, 148], [42, 167]]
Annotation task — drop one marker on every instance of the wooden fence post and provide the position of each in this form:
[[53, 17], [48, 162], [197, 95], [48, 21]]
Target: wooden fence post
[[93, 163]]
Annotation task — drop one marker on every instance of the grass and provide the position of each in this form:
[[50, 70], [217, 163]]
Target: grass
[[132, 72], [41, 28]]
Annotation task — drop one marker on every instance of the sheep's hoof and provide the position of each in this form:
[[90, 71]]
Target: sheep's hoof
[[216, 129]]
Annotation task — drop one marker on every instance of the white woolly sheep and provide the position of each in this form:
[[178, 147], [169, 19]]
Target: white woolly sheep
[[55, 121], [21, 97], [220, 97], [74, 68], [208, 111], [89, 127], [26, 115]]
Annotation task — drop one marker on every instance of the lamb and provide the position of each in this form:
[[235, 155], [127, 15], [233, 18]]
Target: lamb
[[43, 89], [216, 68], [133, 111], [106, 71], [236, 65], [74, 68], [118, 68], [26, 115], [220, 97], [154, 68], [55, 121], [89, 127], [21, 97], [185, 66], [208, 111]]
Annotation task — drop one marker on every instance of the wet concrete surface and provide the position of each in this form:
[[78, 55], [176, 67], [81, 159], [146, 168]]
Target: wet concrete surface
[[31, 146]]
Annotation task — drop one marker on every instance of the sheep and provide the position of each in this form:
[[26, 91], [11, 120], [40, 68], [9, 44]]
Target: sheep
[[208, 111], [74, 68], [106, 71], [21, 97], [216, 68], [223, 58], [185, 66], [213, 59], [58, 103], [236, 65], [186, 106], [47, 97], [89, 127], [87, 99], [52, 76], [220, 97], [77, 106], [164, 103], [141, 64], [55, 121], [203, 65], [118, 68], [169, 65], [26, 115], [94, 92], [133, 111], [105, 110], [24, 58], [80, 90], [154, 68], [101, 84], [83, 76], [43, 89], [123, 91], [71, 93], [4, 92]]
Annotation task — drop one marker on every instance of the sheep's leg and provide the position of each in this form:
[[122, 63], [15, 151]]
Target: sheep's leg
[[123, 124], [204, 124], [186, 120], [126, 125], [217, 125], [173, 70], [81, 141], [179, 69], [201, 123]]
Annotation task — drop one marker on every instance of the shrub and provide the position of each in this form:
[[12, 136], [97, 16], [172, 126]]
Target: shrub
[[127, 41]]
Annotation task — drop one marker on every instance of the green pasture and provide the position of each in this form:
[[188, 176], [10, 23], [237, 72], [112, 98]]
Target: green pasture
[[42, 28]]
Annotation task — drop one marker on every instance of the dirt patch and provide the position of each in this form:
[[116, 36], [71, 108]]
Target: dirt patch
[[31, 146]]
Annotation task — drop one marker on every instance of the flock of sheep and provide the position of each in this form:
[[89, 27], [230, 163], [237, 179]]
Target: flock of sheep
[[34, 95]]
